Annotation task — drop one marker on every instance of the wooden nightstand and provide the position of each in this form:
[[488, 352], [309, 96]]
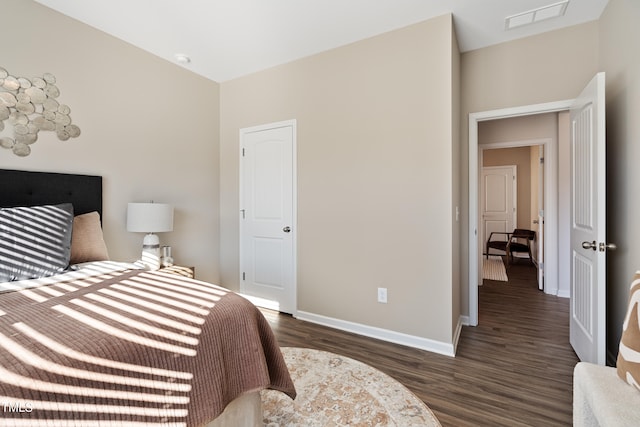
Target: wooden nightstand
[[180, 270]]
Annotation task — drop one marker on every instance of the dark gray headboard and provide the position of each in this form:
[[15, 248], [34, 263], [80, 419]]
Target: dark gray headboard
[[25, 188]]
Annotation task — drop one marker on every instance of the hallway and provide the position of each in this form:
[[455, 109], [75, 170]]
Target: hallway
[[514, 369], [523, 336]]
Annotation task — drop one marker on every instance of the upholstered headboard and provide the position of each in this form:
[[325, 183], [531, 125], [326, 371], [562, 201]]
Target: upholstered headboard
[[25, 188]]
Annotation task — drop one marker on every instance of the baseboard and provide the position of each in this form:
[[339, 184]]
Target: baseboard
[[384, 334]]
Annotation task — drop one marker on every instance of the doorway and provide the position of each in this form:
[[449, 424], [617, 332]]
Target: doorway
[[550, 202], [526, 158]]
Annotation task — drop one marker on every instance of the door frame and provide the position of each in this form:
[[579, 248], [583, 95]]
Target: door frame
[[551, 203], [294, 219], [545, 143]]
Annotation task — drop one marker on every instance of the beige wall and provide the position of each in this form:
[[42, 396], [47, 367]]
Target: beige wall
[[455, 179], [375, 165], [620, 59], [149, 127], [548, 67]]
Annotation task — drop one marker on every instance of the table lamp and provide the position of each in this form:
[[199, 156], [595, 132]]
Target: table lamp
[[150, 218]]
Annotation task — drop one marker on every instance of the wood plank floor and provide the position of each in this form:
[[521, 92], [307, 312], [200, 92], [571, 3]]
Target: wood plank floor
[[514, 369]]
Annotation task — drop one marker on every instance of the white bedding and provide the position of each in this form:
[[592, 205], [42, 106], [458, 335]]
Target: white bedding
[[75, 272]]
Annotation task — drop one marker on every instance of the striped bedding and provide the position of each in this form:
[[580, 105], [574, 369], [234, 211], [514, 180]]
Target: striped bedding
[[111, 345]]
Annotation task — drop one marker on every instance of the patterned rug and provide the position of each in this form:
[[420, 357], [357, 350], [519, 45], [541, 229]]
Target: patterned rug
[[493, 268], [334, 390]]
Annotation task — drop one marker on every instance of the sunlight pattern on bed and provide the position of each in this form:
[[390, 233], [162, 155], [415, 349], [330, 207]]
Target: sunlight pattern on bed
[[121, 345]]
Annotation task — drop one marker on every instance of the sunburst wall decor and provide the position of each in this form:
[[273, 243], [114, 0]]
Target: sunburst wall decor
[[31, 106]]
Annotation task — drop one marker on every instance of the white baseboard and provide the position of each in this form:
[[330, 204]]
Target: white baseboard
[[385, 334], [562, 293]]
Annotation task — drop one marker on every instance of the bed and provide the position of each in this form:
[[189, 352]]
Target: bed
[[92, 341]]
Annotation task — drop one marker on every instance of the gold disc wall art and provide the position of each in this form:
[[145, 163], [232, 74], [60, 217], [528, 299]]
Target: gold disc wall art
[[31, 106]]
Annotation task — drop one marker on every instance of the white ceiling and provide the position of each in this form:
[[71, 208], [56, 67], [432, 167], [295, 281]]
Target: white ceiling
[[226, 39]]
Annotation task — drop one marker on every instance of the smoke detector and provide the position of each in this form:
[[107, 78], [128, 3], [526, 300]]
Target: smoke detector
[[182, 58]]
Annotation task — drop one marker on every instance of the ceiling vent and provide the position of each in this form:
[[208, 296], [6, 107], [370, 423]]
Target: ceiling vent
[[536, 15]]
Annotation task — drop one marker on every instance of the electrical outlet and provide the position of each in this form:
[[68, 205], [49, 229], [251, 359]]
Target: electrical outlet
[[382, 295]]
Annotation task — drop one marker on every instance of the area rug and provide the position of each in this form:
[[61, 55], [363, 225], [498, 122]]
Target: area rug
[[334, 390], [493, 268]]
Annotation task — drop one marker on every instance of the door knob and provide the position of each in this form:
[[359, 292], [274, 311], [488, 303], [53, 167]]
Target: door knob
[[589, 245], [609, 246], [287, 229]]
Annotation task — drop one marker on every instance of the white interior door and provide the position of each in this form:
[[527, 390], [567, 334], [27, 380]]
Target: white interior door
[[498, 200], [267, 221], [539, 225], [588, 223]]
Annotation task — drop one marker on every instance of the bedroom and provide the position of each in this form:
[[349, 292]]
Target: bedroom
[[157, 131]]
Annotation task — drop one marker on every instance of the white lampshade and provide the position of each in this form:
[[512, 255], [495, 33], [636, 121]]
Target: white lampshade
[[149, 217]]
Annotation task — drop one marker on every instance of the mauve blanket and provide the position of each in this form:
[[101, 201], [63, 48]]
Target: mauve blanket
[[131, 347]]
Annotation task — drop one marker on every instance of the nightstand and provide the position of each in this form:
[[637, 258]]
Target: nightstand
[[180, 270]]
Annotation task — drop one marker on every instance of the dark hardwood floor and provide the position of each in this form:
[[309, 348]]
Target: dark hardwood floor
[[514, 369]]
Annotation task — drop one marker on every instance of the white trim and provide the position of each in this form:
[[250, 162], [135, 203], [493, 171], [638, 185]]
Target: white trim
[[515, 144], [446, 349], [473, 261], [293, 123]]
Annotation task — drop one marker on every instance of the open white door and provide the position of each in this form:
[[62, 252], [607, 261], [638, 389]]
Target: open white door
[[267, 220], [588, 224]]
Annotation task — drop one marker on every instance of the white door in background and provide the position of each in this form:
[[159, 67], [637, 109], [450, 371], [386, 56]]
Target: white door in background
[[539, 218], [267, 215], [588, 224], [498, 200]]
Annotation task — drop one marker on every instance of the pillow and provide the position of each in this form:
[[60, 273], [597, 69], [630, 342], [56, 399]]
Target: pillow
[[628, 365], [87, 242], [35, 241]]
